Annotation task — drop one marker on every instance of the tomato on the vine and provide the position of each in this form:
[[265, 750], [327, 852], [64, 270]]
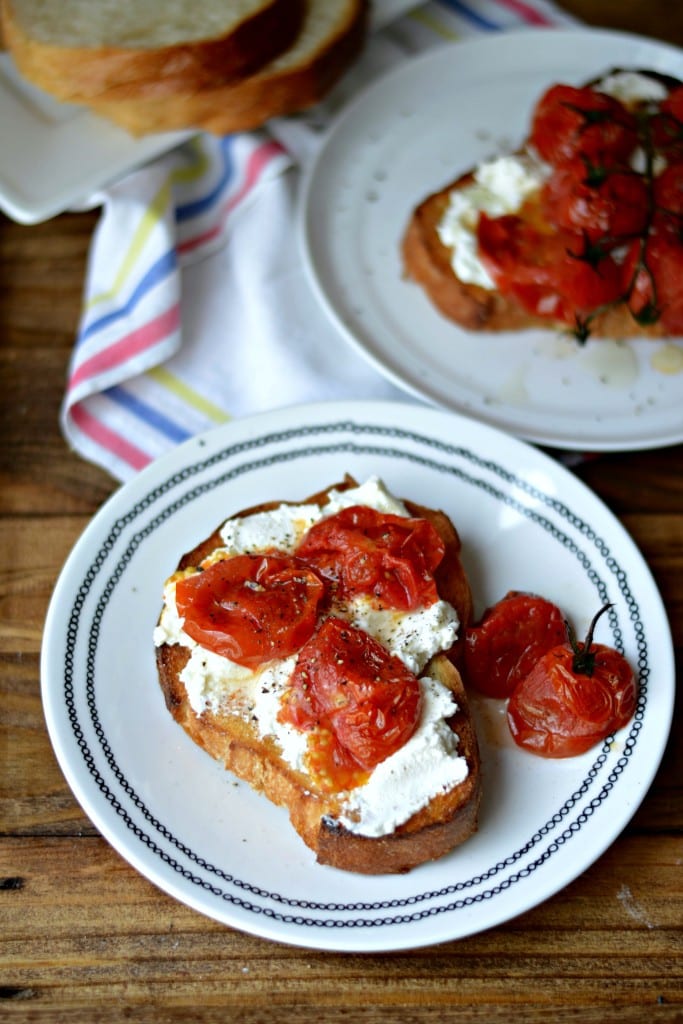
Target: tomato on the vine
[[653, 277], [251, 608], [570, 121], [364, 551], [668, 193], [360, 702], [666, 127], [551, 275], [673, 104], [575, 696], [508, 640], [604, 204]]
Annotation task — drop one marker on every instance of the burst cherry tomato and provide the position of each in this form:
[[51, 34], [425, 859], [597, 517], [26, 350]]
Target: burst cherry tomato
[[653, 277], [668, 192], [508, 640], [251, 608], [569, 122], [605, 205], [573, 697], [369, 552], [550, 275], [666, 127], [361, 703]]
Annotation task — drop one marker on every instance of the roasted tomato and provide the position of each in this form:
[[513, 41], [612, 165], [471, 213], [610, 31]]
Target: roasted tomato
[[570, 121], [364, 551], [575, 695], [653, 277], [251, 608], [666, 128], [551, 275], [360, 703], [604, 204], [508, 640], [668, 193]]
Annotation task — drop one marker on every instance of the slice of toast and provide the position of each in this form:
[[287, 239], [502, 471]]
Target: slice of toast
[[232, 738], [429, 262]]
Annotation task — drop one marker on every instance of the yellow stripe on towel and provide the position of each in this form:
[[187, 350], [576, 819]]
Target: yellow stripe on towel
[[150, 219], [185, 175], [188, 394]]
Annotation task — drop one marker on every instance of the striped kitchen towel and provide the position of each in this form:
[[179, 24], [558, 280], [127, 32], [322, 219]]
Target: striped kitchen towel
[[196, 305]]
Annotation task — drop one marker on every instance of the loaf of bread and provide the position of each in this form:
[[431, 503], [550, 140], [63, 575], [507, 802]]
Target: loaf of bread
[[324, 815], [214, 66], [583, 235]]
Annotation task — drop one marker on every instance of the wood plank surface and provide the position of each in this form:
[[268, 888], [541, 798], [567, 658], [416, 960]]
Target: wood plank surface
[[85, 938]]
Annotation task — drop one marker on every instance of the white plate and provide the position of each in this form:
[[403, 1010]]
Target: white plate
[[59, 154], [209, 841], [407, 136]]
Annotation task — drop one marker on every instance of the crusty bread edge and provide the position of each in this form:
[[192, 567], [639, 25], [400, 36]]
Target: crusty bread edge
[[447, 821]]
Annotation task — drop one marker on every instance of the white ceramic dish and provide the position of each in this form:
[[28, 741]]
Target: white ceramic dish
[[212, 843], [408, 135], [60, 154]]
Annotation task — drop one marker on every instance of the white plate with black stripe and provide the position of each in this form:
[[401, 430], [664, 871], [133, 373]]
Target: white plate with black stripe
[[212, 843]]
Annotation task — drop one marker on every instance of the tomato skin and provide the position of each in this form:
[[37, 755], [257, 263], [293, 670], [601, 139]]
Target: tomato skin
[[548, 274], [347, 684], [605, 206], [570, 121], [251, 608], [558, 712], [653, 275], [666, 128], [673, 104], [668, 191], [507, 641], [368, 552]]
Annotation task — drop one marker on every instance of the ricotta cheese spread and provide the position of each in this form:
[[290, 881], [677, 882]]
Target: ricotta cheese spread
[[500, 186], [431, 753], [632, 87], [407, 780]]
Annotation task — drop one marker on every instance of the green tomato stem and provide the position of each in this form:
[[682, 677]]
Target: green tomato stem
[[583, 662]]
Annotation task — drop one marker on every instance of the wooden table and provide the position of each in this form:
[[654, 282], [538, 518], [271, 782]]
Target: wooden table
[[84, 937]]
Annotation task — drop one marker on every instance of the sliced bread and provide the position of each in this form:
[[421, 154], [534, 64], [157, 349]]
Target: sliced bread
[[318, 812], [77, 49], [331, 38]]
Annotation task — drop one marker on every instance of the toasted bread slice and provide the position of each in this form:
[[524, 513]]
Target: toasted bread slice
[[232, 738], [429, 261], [77, 50], [330, 39]]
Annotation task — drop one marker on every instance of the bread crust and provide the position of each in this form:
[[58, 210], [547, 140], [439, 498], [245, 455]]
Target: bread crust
[[79, 74], [280, 88], [448, 820]]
